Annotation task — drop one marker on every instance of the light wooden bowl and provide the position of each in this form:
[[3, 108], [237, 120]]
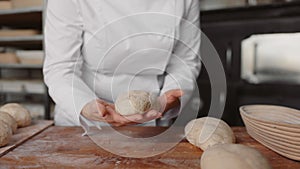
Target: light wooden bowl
[[270, 142], [275, 148], [276, 127], [274, 130], [273, 115], [276, 141], [276, 136]]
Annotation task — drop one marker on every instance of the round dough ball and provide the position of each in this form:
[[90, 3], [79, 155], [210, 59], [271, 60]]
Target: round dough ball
[[233, 156], [207, 131], [5, 133], [136, 102], [6, 118], [19, 113]]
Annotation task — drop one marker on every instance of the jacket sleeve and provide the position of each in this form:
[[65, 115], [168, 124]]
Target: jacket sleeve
[[185, 64], [63, 60]]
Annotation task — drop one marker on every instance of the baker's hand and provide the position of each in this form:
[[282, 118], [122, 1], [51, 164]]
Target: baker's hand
[[99, 110], [170, 99], [131, 119], [95, 110]]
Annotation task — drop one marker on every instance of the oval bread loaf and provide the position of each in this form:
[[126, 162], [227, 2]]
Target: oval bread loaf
[[5, 117], [207, 131], [5, 133], [18, 112], [233, 156]]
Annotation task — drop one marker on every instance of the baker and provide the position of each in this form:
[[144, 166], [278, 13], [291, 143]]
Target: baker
[[97, 49]]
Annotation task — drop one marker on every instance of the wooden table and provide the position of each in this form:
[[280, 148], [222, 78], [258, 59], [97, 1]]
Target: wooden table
[[64, 147]]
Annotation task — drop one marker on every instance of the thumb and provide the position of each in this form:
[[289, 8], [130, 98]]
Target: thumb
[[176, 93], [101, 109]]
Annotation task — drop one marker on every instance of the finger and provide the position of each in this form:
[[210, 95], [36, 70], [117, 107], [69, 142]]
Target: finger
[[134, 118], [120, 125], [175, 93], [110, 110], [163, 102], [112, 106], [170, 96], [101, 109], [142, 118], [106, 103], [116, 117], [152, 114], [108, 116], [102, 102]]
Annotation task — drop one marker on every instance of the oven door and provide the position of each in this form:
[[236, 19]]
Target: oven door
[[271, 58]]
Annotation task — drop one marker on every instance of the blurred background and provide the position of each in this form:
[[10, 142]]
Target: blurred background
[[258, 42]]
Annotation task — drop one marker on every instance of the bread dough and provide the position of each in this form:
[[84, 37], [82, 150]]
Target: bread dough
[[5, 117], [19, 113], [136, 102], [233, 156], [5, 133], [207, 131]]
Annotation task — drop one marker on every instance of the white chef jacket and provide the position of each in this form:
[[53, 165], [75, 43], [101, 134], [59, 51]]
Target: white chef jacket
[[101, 48]]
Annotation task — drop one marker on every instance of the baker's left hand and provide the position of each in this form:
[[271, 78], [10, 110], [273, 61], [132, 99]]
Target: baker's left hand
[[170, 99]]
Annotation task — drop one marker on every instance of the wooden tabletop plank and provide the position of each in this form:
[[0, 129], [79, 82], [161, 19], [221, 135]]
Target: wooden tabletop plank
[[64, 147], [25, 133]]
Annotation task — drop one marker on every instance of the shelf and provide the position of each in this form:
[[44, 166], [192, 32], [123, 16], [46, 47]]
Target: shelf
[[22, 41], [22, 86], [23, 90], [21, 10], [21, 38], [22, 18], [20, 66], [265, 12], [22, 93]]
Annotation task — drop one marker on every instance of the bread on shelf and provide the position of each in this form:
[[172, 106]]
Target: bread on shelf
[[5, 5], [18, 32], [30, 57], [26, 3], [9, 58]]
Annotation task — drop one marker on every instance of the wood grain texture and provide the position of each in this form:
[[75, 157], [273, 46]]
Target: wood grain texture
[[64, 147], [14, 33], [24, 134]]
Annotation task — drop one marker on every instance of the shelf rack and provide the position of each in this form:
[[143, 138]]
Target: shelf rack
[[25, 18]]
